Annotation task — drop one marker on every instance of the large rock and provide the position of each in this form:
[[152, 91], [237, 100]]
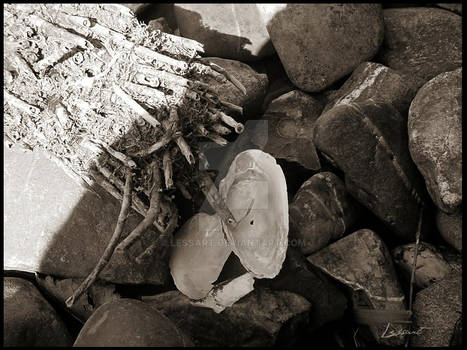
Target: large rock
[[54, 226], [422, 42], [234, 31], [431, 265], [254, 83], [61, 289], [435, 138], [321, 43], [438, 313], [454, 7], [450, 228], [291, 120], [378, 82], [258, 319], [321, 212], [29, 320], [130, 322], [362, 262], [298, 276], [368, 142]]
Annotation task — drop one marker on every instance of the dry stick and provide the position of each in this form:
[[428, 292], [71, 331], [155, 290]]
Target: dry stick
[[212, 195], [220, 129], [229, 76], [227, 119], [414, 266], [167, 166], [110, 247], [150, 215]]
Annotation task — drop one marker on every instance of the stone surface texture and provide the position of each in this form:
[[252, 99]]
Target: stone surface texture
[[422, 42], [368, 142], [435, 138], [450, 228], [321, 212], [321, 43], [377, 82], [258, 319], [362, 262], [29, 320], [291, 119], [129, 322], [438, 309]]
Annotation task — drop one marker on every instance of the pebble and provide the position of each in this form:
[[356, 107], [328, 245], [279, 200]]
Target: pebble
[[258, 319], [431, 265], [29, 320], [367, 141], [421, 42], [233, 31], [291, 119], [438, 313], [362, 262], [320, 43], [321, 212], [129, 322], [435, 138], [377, 82]]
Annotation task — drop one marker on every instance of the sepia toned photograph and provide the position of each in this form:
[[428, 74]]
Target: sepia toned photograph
[[232, 175]]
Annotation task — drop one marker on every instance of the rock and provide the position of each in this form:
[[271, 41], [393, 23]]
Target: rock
[[368, 142], [456, 8], [362, 262], [254, 83], [438, 313], [29, 320], [60, 289], [291, 118], [435, 138], [61, 228], [130, 322], [421, 42], [298, 276], [321, 212], [234, 31], [320, 43], [452, 257], [378, 82], [431, 266], [450, 227], [258, 319], [160, 24]]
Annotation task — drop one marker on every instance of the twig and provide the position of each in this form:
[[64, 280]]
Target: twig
[[238, 127], [229, 76], [220, 129], [150, 215], [103, 261], [212, 195], [231, 106], [167, 166], [164, 140], [414, 266], [217, 139]]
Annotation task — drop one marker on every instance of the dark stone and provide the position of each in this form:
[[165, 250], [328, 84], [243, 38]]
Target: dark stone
[[377, 82], [450, 228], [431, 265], [258, 319], [60, 228], [130, 322], [234, 31], [454, 7], [321, 212], [29, 320], [435, 138], [291, 119], [368, 142], [422, 42], [362, 262], [254, 83], [320, 43], [298, 276], [438, 309]]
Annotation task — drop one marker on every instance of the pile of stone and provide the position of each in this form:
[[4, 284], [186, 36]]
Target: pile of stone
[[361, 105]]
